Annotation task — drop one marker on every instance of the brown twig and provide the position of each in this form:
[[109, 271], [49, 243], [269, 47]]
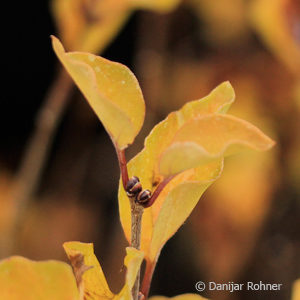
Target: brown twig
[[136, 217], [136, 229], [36, 153], [123, 166], [137, 210]]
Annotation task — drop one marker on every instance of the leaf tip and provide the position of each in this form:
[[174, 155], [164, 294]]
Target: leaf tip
[[78, 246], [229, 86], [269, 145], [57, 46], [228, 90]]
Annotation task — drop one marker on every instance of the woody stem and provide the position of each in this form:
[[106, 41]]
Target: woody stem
[[136, 226], [136, 223], [136, 217]]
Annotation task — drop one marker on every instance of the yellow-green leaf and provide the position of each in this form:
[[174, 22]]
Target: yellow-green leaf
[[296, 290], [133, 261], [177, 202], [21, 278], [89, 275], [179, 297], [209, 137], [145, 164], [199, 125], [88, 272], [218, 101], [111, 90]]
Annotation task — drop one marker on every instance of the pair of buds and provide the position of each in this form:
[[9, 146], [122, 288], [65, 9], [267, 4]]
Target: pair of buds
[[134, 190]]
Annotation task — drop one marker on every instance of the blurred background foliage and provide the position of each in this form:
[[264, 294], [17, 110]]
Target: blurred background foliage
[[246, 227]]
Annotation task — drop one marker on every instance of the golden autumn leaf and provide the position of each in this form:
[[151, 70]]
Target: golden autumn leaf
[[89, 25], [182, 193], [209, 137], [144, 165], [296, 290], [179, 297], [111, 90], [216, 15], [89, 275], [176, 203], [133, 261], [276, 22], [21, 278]]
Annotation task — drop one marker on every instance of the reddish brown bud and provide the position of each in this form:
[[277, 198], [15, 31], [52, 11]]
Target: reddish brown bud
[[143, 197], [133, 187]]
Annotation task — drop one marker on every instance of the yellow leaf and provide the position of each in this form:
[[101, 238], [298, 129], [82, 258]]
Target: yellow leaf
[[296, 290], [177, 201], [145, 164], [179, 297], [218, 101], [89, 25], [89, 275], [216, 15], [133, 261], [21, 278], [111, 89], [209, 137], [274, 22], [203, 125]]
